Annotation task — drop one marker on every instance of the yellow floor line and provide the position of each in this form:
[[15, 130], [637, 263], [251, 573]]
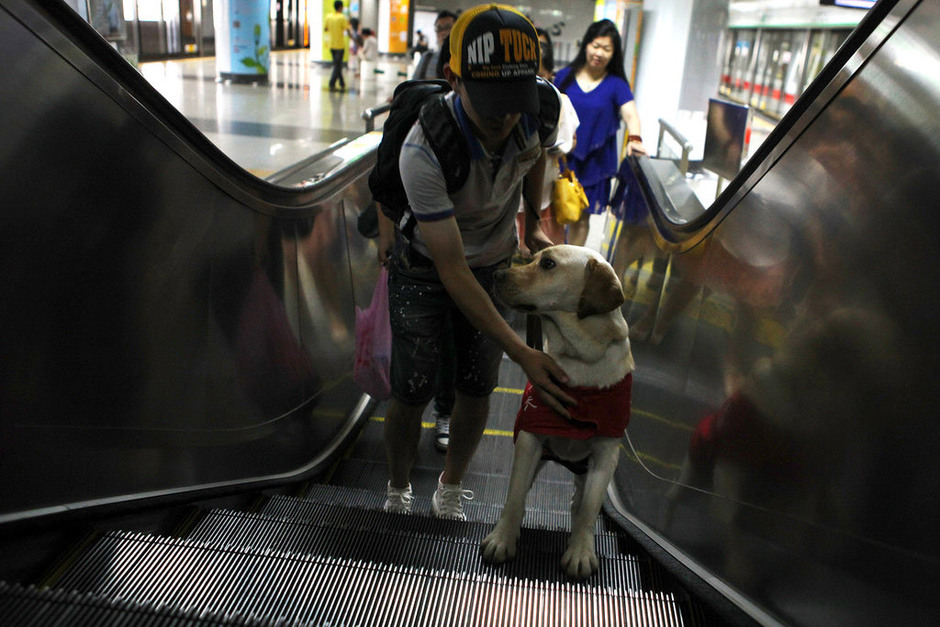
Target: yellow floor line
[[430, 425], [508, 434], [658, 418]]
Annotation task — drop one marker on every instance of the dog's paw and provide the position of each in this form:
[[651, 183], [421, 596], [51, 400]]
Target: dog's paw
[[499, 546], [580, 560]]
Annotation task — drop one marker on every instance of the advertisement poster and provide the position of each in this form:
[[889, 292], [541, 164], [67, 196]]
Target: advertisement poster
[[393, 26], [243, 40]]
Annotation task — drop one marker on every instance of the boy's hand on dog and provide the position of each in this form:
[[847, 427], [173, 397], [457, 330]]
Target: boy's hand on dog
[[543, 372]]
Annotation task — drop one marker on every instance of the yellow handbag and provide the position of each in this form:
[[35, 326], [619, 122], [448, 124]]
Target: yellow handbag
[[568, 197]]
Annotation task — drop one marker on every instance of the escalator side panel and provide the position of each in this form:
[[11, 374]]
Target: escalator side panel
[[790, 446], [165, 326]]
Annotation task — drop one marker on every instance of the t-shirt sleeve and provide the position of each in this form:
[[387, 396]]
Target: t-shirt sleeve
[[423, 179], [567, 125], [622, 92]]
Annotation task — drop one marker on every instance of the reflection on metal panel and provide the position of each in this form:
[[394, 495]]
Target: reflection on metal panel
[[788, 363], [169, 322]]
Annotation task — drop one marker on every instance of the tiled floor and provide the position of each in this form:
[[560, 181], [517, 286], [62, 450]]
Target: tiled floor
[[266, 128]]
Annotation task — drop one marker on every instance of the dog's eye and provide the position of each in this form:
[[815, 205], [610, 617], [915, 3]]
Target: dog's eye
[[546, 263]]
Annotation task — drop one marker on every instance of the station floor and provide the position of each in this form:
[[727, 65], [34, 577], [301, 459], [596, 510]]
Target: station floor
[[266, 128]]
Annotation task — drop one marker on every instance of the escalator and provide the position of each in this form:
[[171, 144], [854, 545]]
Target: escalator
[[182, 439], [325, 553], [182, 442]]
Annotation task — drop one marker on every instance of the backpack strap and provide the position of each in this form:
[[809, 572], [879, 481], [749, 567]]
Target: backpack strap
[[447, 141]]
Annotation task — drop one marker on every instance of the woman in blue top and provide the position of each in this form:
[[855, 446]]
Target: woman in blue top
[[598, 88]]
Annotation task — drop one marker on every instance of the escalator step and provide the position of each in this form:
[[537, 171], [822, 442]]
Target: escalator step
[[175, 578], [536, 517], [32, 607], [410, 541], [547, 504]]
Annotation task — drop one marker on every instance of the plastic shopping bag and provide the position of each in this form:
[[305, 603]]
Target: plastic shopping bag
[[374, 343]]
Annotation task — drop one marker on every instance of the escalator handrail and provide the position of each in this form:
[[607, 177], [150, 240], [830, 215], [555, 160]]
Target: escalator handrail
[[59, 25]]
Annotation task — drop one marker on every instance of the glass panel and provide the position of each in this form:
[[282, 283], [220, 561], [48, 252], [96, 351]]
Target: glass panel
[[743, 49], [728, 58], [795, 71], [171, 15], [149, 10], [767, 53]]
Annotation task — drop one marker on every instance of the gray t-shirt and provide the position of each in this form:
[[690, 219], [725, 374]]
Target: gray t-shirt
[[485, 208]]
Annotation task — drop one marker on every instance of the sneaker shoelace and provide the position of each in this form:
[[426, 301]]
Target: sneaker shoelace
[[400, 497], [443, 425], [449, 501]]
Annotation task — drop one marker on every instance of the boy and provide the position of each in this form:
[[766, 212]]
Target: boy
[[461, 239]]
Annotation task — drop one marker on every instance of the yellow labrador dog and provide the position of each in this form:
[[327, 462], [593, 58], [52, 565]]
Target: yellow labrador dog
[[578, 296]]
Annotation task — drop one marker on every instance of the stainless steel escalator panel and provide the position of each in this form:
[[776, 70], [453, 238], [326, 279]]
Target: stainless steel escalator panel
[[786, 449], [170, 322]]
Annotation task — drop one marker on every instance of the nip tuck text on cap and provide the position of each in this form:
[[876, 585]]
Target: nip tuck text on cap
[[494, 49]]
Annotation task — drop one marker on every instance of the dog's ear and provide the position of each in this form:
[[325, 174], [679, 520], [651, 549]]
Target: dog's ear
[[602, 291]]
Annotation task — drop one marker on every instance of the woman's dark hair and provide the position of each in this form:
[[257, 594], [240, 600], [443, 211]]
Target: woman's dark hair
[[548, 54], [602, 28]]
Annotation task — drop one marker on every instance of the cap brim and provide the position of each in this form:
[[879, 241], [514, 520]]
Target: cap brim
[[491, 99]]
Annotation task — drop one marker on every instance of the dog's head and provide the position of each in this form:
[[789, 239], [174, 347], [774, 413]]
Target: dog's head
[[562, 278]]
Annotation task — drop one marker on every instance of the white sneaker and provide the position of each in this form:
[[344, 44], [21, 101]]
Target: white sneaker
[[441, 431], [446, 501], [398, 500]]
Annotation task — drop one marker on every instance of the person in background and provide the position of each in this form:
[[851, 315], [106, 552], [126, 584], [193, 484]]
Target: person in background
[[428, 65], [370, 46], [444, 396], [447, 269], [565, 143], [355, 44], [336, 26], [597, 86], [421, 45]]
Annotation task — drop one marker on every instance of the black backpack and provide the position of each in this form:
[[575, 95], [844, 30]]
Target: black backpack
[[424, 100]]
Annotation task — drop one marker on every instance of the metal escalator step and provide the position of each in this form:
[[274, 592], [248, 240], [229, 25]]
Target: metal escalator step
[[329, 509], [547, 503], [409, 541], [34, 607], [540, 514], [182, 579]]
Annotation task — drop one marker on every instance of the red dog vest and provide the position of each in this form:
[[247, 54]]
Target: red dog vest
[[600, 411]]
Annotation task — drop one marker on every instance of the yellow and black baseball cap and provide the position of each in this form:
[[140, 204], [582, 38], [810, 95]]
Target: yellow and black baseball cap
[[494, 49]]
